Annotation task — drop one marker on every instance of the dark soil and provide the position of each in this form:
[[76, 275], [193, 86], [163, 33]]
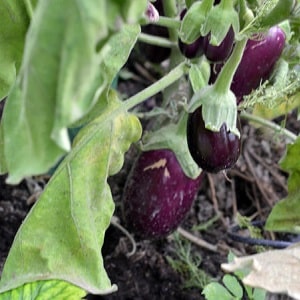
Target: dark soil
[[251, 188]]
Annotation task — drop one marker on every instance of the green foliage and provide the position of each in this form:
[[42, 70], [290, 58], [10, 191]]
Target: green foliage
[[232, 287], [13, 26], [285, 216], [57, 63], [219, 20], [58, 86], [62, 236], [45, 290]]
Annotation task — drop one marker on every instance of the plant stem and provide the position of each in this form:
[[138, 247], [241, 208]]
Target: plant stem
[[155, 40], [223, 82], [170, 10], [168, 22], [269, 124], [29, 8], [156, 87]]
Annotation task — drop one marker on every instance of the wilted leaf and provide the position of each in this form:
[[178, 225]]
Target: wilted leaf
[[66, 65], [14, 22], [62, 236], [285, 216], [277, 271], [46, 290]]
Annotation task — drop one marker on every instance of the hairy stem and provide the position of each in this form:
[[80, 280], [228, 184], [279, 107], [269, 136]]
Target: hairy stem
[[168, 22], [224, 79], [269, 124], [156, 87], [155, 40]]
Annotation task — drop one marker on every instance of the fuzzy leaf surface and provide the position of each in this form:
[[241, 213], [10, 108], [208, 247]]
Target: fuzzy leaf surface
[[64, 69], [62, 236]]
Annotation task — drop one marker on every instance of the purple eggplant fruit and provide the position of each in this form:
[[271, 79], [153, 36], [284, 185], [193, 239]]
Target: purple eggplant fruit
[[257, 64], [258, 61], [212, 151], [194, 49], [158, 195], [219, 53]]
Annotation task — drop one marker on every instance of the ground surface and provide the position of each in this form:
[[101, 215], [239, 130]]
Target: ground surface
[[251, 188]]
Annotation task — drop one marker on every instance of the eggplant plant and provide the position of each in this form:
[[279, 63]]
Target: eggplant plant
[[58, 60]]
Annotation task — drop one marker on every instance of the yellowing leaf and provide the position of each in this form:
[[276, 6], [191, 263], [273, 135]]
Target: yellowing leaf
[[62, 236], [277, 271], [283, 108]]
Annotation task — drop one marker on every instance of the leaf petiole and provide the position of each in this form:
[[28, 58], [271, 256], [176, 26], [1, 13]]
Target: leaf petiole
[[155, 40], [156, 87], [269, 124]]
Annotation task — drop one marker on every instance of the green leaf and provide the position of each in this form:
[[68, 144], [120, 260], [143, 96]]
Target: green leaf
[[62, 236], [215, 291], [66, 66], [233, 286], [3, 168], [259, 294], [14, 22], [115, 54], [194, 20], [45, 290], [131, 11], [285, 216]]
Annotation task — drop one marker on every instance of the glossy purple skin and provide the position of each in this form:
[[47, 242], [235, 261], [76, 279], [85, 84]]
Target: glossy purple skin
[[158, 195], [257, 63], [212, 151], [219, 53], [194, 49]]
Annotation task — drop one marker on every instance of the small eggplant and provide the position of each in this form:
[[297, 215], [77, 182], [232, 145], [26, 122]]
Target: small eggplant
[[158, 195], [212, 151], [258, 61], [217, 54], [194, 49]]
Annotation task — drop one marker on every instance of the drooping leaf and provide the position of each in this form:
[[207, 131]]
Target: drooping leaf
[[46, 290], [62, 236], [14, 22], [285, 216], [66, 65], [276, 271]]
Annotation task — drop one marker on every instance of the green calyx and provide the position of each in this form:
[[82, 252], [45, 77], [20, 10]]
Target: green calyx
[[219, 20], [217, 108]]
